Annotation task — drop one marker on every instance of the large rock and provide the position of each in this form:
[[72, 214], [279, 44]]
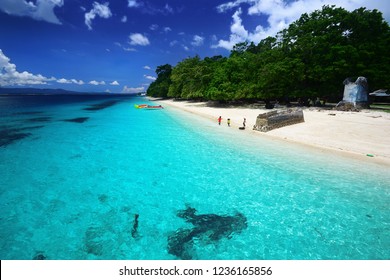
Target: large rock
[[276, 119]]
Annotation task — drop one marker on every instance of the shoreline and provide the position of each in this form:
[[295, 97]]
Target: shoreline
[[353, 134]]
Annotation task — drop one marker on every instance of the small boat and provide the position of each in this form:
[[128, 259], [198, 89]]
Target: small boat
[[140, 106], [146, 106], [154, 107]]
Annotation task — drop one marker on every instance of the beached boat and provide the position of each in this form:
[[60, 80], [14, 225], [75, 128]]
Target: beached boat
[[140, 106], [154, 107], [145, 106]]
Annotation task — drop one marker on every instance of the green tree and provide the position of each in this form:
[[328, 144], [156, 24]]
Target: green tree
[[369, 34], [191, 77], [311, 58], [334, 44], [160, 87]]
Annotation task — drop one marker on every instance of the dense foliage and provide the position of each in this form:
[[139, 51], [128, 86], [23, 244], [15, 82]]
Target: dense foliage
[[309, 59]]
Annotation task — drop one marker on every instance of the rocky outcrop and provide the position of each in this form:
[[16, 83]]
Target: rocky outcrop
[[351, 106], [355, 95], [276, 119]]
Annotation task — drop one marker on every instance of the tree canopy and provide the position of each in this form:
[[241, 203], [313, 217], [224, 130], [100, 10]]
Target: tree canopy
[[309, 59]]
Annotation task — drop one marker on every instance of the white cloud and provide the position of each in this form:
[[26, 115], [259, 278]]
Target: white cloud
[[238, 33], [9, 76], [237, 28], [124, 48], [150, 77], [63, 81], [124, 19], [96, 83], [197, 41], [101, 10], [153, 27], [129, 49], [79, 82], [150, 8], [173, 43], [72, 81], [168, 9], [40, 10], [281, 13], [133, 4], [114, 83], [230, 5], [138, 39], [147, 67], [167, 29], [133, 89]]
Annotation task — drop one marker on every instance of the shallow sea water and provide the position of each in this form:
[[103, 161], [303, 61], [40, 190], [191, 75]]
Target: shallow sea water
[[71, 190]]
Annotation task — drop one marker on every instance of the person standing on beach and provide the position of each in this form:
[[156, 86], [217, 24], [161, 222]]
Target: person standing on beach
[[219, 120], [228, 122], [244, 122]]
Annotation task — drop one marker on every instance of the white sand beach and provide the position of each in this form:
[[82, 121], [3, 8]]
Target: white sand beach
[[357, 134]]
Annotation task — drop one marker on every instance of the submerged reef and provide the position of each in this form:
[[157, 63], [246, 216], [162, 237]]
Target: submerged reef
[[10, 134], [77, 120], [100, 106], [29, 113], [39, 119], [134, 230], [94, 240], [206, 227], [39, 256]]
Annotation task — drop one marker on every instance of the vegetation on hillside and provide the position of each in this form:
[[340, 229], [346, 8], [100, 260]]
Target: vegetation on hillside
[[309, 59]]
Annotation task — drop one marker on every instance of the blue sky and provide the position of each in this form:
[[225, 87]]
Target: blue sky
[[116, 45]]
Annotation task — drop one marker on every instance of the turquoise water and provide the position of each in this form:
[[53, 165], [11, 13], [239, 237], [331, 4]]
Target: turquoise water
[[71, 190]]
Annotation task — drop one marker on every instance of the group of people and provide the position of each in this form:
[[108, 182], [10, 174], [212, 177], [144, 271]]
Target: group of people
[[228, 122]]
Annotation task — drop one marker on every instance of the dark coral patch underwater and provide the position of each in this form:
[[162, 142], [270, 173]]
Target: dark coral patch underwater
[[8, 135], [39, 119], [209, 227], [39, 256], [29, 113], [77, 120], [101, 106]]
